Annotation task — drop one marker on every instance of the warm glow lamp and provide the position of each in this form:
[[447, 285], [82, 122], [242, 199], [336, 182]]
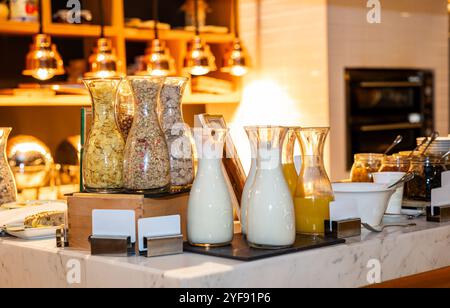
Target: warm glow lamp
[[199, 59], [236, 61], [157, 59], [43, 61], [103, 62]]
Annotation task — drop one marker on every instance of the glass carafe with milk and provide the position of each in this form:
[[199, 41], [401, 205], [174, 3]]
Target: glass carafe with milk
[[270, 214], [210, 210], [252, 137]]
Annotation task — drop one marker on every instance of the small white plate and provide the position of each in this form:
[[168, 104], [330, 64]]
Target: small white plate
[[31, 233]]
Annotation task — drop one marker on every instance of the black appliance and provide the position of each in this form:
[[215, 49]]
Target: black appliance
[[385, 103]]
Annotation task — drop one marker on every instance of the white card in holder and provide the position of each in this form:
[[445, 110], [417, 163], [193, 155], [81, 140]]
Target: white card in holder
[[158, 227], [446, 179], [440, 196], [114, 223]]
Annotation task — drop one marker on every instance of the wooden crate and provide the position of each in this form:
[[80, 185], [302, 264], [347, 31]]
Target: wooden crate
[[80, 207]]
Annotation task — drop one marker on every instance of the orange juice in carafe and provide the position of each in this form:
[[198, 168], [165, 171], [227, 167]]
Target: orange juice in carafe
[[289, 171], [310, 214], [314, 192], [291, 176]]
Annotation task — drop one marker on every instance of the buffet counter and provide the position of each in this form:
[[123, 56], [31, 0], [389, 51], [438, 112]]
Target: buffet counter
[[401, 253]]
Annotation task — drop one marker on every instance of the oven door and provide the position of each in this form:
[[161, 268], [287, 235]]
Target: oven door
[[377, 138], [371, 98]]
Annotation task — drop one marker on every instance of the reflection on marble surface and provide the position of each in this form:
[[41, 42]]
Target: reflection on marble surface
[[401, 251]]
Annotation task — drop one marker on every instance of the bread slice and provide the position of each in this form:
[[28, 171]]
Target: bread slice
[[45, 219]]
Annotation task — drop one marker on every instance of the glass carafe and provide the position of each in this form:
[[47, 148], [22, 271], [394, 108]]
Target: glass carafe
[[253, 139], [103, 150], [146, 161], [290, 173], [124, 109], [8, 189], [178, 133], [314, 192], [210, 210], [270, 214]]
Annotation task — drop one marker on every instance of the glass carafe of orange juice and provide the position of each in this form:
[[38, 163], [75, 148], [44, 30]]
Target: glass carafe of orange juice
[[314, 192], [290, 173]]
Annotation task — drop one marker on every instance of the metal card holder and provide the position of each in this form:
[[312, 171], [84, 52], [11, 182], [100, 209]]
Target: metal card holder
[[163, 246], [441, 214], [62, 239], [111, 246], [343, 228]]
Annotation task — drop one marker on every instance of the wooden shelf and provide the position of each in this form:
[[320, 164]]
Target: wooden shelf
[[66, 30], [18, 28], [84, 100], [56, 101], [134, 34]]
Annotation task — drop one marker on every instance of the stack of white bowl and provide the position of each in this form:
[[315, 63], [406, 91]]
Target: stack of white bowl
[[439, 147]]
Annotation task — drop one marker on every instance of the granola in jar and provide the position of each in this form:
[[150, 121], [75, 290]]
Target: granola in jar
[[178, 134], [104, 148], [124, 109], [146, 161], [8, 189]]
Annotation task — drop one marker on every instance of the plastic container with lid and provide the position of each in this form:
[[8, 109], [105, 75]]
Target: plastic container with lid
[[428, 175], [365, 165]]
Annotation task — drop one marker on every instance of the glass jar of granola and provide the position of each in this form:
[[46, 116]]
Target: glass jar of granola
[[146, 161], [178, 134], [104, 147]]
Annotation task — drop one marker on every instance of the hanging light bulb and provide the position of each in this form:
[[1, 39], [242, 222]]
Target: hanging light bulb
[[103, 62], [43, 61], [236, 62], [199, 59], [157, 59]]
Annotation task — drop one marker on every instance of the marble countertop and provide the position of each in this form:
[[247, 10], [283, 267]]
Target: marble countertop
[[395, 253]]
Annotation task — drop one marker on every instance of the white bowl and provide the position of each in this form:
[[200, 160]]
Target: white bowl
[[372, 199], [396, 202]]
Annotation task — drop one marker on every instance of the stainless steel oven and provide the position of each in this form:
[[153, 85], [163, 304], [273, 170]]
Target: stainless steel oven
[[384, 103]]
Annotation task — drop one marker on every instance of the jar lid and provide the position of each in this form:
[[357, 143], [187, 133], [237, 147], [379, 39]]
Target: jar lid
[[369, 157]]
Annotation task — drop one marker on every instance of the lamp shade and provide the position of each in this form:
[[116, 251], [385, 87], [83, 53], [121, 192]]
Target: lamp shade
[[103, 62], [43, 61], [236, 61], [199, 59], [157, 60]]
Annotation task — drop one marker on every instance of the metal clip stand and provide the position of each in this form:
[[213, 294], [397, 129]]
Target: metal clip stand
[[343, 228], [62, 238], [163, 246], [441, 214], [111, 246]]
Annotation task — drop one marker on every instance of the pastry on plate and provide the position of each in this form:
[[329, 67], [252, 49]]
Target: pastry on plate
[[45, 219]]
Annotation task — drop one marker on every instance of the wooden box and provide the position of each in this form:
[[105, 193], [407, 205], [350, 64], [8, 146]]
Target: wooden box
[[81, 205]]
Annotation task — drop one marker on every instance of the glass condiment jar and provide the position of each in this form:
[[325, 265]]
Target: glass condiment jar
[[210, 209], [270, 213], [287, 159], [365, 165], [396, 163], [428, 175], [146, 159], [124, 109], [103, 151], [245, 200], [314, 192], [8, 189], [178, 134]]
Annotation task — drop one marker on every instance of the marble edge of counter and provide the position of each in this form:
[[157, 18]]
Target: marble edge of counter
[[400, 253]]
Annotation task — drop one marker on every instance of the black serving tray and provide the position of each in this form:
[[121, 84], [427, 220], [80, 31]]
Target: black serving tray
[[240, 250]]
